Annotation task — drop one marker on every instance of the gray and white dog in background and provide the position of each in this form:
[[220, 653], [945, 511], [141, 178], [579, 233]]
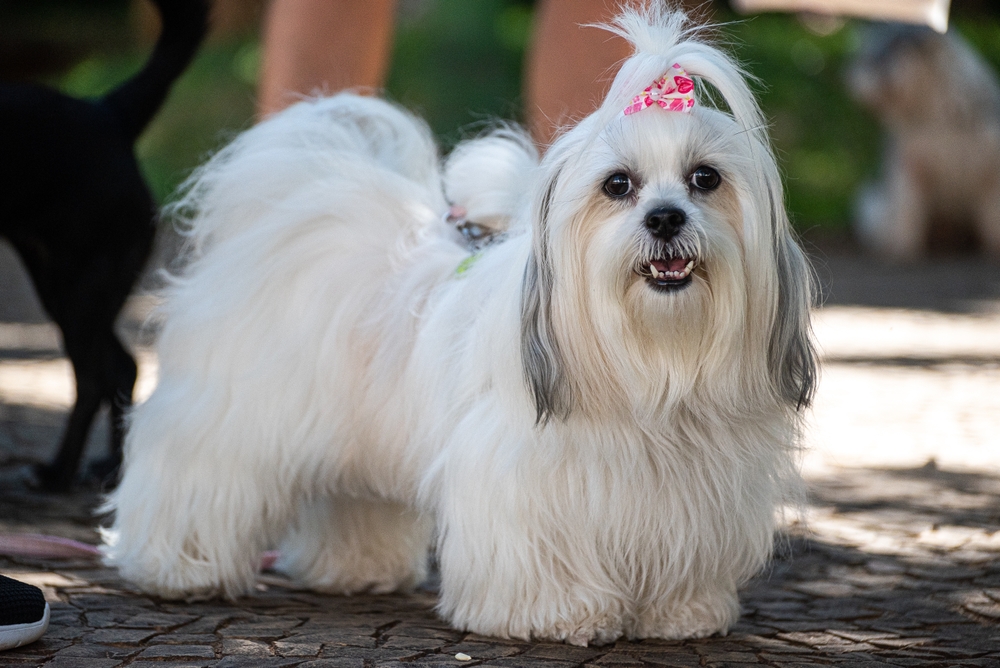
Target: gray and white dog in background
[[939, 104], [596, 419]]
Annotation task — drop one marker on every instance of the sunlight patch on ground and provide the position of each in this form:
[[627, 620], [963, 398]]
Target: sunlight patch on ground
[[48, 383], [899, 388], [853, 331]]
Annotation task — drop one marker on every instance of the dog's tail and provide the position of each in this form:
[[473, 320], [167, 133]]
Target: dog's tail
[[136, 101], [487, 176]]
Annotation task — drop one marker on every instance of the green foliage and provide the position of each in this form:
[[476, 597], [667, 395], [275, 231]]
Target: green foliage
[[214, 99], [825, 143], [458, 62]]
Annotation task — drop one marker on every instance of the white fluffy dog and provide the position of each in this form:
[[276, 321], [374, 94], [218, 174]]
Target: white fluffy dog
[[596, 420]]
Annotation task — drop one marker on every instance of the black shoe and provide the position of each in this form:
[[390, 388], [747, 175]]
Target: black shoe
[[24, 614]]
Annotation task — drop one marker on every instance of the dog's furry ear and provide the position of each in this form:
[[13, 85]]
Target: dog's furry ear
[[544, 369], [791, 357]]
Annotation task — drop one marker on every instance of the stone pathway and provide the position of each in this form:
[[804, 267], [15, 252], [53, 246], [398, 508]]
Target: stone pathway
[[895, 560]]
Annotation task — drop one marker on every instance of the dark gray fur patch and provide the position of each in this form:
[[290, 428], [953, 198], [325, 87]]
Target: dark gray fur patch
[[791, 356], [544, 369]]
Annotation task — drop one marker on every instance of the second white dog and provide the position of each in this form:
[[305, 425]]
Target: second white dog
[[596, 417]]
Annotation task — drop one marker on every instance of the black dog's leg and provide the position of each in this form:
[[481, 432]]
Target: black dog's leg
[[85, 311], [58, 476], [119, 382]]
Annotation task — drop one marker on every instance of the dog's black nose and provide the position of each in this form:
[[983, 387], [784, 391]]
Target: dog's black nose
[[664, 222]]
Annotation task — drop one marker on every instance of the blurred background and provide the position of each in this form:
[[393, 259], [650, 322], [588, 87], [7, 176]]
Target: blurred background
[[460, 64]]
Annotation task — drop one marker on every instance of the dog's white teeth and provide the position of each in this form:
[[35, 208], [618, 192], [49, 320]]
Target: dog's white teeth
[[671, 274]]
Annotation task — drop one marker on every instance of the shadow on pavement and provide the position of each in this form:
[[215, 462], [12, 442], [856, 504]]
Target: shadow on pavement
[[819, 604], [918, 501]]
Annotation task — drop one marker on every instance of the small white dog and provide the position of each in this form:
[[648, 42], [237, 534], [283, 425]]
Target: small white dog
[[596, 420]]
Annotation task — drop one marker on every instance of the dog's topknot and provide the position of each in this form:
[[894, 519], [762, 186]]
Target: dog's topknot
[[652, 28], [662, 36]]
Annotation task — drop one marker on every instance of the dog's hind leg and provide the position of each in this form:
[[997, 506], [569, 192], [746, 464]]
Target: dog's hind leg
[[118, 381], [345, 545], [86, 352], [84, 300], [59, 474], [104, 372], [192, 514]]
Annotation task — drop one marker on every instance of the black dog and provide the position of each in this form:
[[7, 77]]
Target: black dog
[[75, 206]]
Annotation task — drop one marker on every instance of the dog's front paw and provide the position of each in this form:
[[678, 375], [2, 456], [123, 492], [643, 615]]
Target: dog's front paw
[[698, 618], [594, 637], [595, 630]]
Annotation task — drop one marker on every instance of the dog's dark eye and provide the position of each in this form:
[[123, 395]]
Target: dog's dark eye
[[705, 178], [618, 185]]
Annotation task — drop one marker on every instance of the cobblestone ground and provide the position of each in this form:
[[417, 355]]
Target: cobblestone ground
[[893, 562]]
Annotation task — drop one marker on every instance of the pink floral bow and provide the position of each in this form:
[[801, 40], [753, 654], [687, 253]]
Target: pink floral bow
[[674, 91]]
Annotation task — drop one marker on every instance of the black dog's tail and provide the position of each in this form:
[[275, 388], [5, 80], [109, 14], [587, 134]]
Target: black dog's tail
[[137, 100]]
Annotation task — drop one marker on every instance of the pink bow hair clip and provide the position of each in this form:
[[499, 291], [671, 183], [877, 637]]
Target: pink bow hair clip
[[674, 91]]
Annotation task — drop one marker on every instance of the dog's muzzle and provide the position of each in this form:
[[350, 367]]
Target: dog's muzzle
[[671, 266]]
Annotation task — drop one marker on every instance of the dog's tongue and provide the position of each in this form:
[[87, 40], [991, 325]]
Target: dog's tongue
[[670, 264]]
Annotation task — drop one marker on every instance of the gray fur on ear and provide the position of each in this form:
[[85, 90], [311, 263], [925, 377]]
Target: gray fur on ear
[[544, 369], [791, 357]]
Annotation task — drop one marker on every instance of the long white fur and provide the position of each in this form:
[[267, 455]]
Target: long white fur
[[595, 458]]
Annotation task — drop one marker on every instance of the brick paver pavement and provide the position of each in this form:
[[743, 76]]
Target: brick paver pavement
[[894, 561]]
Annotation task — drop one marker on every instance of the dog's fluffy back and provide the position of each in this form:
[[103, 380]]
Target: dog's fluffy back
[[342, 139]]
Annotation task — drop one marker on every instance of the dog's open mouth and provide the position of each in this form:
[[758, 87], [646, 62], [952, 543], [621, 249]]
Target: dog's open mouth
[[668, 273]]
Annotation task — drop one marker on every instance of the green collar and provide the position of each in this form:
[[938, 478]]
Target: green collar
[[467, 263]]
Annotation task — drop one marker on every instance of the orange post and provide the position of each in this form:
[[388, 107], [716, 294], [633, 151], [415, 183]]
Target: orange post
[[570, 67], [323, 46]]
